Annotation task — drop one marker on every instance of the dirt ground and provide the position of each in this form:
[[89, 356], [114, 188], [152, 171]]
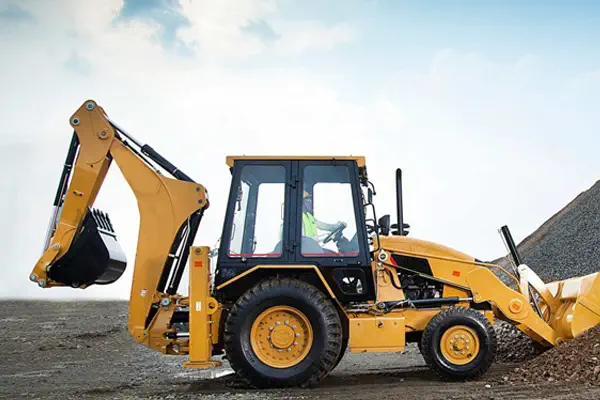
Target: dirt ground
[[73, 350]]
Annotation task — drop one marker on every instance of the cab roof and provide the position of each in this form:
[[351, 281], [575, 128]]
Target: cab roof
[[360, 160]]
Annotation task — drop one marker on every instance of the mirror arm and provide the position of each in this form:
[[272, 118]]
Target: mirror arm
[[376, 226]]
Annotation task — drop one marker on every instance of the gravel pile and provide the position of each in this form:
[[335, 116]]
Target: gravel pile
[[513, 345], [574, 361], [566, 245]]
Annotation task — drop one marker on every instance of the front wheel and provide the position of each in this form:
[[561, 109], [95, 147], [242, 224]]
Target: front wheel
[[281, 333], [459, 344]]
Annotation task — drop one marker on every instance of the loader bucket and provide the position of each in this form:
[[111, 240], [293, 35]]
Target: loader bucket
[[94, 257], [576, 305]]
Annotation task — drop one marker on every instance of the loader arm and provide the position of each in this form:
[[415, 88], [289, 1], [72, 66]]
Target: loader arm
[[81, 249]]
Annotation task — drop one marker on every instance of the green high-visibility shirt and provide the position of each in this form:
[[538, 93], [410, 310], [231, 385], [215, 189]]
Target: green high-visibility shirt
[[309, 225]]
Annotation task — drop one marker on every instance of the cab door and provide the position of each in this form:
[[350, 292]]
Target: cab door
[[329, 226], [256, 223]]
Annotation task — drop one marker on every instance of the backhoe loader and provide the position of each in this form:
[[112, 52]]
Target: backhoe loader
[[304, 271]]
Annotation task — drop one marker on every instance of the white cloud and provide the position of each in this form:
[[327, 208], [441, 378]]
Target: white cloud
[[481, 143], [308, 36], [216, 29]]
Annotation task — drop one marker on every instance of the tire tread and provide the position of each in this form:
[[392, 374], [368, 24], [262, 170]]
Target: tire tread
[[333, 343], [453, 312]]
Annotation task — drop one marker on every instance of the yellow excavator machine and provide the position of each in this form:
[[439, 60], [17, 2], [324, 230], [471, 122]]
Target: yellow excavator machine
[[303, 272]]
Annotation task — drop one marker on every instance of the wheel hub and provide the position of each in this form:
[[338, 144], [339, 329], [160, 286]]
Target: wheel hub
[[460, 345], [281, 336]]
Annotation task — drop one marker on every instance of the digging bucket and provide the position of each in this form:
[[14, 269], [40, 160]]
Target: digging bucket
[[94, 257], [576, 305]]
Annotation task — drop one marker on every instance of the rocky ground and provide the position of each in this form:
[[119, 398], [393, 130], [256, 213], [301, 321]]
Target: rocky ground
[[575, 361], [513, 345], [76, 350]]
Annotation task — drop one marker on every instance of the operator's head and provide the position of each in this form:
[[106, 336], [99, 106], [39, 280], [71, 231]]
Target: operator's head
[[307, 201]]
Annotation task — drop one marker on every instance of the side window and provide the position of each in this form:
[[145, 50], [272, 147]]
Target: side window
[[241, 206], [257, 229], [328, 218]]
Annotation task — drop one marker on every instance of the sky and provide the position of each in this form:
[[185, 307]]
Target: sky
[[489, 108]]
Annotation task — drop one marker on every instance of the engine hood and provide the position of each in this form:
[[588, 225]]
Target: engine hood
[[421, 247]]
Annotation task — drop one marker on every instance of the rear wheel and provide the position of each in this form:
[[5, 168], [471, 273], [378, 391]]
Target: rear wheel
[[459, 344], [283, 332]]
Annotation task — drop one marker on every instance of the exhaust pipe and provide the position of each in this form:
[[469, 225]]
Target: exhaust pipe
[[400, 231], [399, 210]]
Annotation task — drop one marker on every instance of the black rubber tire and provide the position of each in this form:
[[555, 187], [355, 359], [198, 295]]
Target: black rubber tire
[[342, 352], [322, 315], [430, 344]]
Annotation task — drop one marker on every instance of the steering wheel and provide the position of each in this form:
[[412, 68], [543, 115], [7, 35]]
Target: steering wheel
[[334, 232]]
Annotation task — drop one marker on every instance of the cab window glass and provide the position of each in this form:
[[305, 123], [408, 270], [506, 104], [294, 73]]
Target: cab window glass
[[328, 218], [258, 214]]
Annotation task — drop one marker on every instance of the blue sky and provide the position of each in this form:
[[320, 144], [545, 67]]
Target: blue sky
[[489, 107]]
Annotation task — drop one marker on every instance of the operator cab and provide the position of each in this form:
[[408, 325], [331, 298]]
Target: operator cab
[[298, 211]]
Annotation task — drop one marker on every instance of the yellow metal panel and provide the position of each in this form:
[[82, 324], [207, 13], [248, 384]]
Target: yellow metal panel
[[164, 205], [451, 291], [376, 334], [446, 263], [360, 160], [214, 326], [579, 310], [155, 336], [385, 278], [283, 266], [513, 305], [416, 320], [202, 307]]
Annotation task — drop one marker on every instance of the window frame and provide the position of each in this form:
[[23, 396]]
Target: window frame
[[360, 259], [224, 256]]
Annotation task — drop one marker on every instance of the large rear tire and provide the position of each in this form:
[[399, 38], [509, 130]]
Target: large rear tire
[[282, 333], [459, 344], [342, 352]]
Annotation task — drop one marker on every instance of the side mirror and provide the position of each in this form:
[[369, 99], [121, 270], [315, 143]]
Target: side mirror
[[369, 196], [384, 225]]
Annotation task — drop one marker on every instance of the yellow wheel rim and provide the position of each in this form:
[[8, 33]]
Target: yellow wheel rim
[[281, 337], [460, 345]]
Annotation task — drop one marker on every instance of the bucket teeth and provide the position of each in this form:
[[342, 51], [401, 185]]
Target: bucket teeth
[[102, 220], [109, 224]]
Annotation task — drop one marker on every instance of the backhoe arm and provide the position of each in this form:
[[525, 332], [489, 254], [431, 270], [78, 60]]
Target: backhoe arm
[[81, 248]]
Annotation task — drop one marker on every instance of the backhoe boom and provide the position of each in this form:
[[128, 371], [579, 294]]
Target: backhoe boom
[[81, 248]]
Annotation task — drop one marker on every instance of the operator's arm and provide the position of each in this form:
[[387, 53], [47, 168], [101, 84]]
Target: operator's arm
[[324, 226]]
